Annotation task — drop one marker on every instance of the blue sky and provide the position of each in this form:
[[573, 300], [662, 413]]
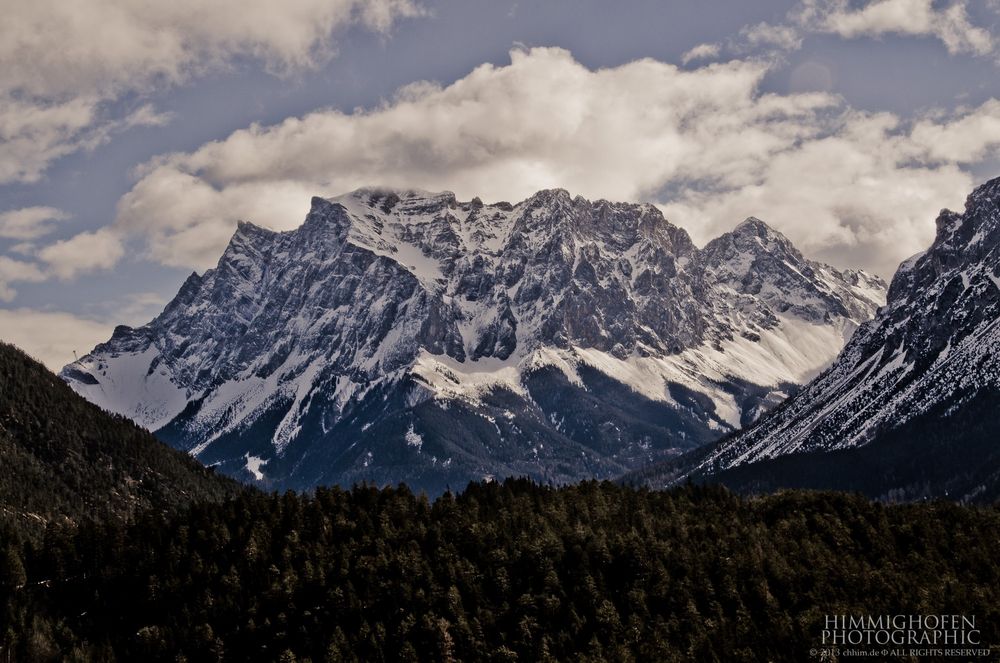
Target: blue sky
[[132, 142]]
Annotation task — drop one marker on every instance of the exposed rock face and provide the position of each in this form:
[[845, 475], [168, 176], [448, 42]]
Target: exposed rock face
[[404, 335]]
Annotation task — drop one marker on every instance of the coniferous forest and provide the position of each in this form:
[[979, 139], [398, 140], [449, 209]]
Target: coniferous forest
[[114, 547], [65, 458], [502, 572]]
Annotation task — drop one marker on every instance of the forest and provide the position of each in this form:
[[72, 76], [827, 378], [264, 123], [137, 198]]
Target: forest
[[510, 571], [63, 458], [114, 547]]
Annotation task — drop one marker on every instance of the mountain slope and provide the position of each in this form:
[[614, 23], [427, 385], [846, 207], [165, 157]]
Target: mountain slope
[[910, 400], [64, 457], [404, 335]]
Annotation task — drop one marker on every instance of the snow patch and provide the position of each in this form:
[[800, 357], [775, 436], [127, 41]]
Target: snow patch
[[413, 438], [129, 384], [253, 465]]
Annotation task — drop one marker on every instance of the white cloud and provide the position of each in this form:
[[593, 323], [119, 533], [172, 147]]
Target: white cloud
[[781, 37], [64, 61], [35, 133], [919, 18], [854, 187], [701, 52], [134, 309], [85, 252], [950, 25], [965, 137], [63, 259], [29, 222], [51, 337], [13, 271], [500, 132]]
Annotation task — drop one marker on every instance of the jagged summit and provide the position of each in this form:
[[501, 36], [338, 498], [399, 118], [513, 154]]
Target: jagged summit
[[754, 226], [754, 234], [408, 335], [753, 259], [986, 194], [387, 198]]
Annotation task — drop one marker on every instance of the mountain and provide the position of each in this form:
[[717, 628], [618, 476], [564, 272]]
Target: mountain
[[407, 336], [63, 457], [908, 409]]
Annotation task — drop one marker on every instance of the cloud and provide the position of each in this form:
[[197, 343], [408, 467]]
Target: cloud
[[781, 37], [502, 132], [134, 309], [63, 259], [12, 271], [965, 137], [853, 187], [950, 25], [64, 62], [701, 52], [37, 132], [29, 222], [918, 18], [85, 252], [51, 337]]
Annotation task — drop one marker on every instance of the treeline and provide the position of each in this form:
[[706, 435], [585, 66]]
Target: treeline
[[502, 572]]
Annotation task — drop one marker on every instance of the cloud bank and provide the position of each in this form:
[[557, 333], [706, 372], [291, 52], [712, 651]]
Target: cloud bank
[[853, 187], [64, 62]]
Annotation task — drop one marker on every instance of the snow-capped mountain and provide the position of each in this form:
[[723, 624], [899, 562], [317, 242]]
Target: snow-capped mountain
[[914, 391], [404, 335]]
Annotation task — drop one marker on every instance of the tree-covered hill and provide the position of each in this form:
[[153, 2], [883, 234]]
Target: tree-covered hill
[[502, 572], [62, 457]]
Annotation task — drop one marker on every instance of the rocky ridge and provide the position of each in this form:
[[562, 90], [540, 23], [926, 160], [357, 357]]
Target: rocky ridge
[[405, 335]]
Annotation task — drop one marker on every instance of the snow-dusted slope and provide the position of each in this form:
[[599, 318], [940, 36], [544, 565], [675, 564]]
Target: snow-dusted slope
[[920, 363], [557, 337]]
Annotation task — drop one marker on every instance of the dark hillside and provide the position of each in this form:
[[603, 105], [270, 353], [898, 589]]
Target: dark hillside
[[62, 457]]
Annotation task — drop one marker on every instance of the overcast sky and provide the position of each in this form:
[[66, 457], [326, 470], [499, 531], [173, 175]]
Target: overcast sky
[[133, 136]]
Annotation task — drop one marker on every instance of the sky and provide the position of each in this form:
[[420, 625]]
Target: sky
[[134, 136]]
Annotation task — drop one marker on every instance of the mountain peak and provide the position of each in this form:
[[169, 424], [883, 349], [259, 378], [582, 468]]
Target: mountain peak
[[547, 195], [388, 199], [981, 218], [929, 353], [248, 237], [752, 237], [249, 229], [327, 350], [986, 193], [752, 226]]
